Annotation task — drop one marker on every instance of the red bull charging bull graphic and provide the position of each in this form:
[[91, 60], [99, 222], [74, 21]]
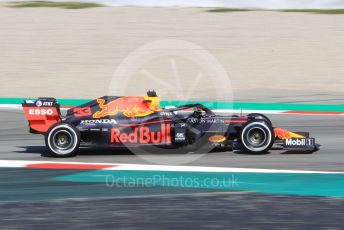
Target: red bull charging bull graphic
[[129, 106]]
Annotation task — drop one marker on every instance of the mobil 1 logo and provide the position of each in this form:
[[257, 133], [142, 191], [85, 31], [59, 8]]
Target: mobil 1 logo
[[299, 143]]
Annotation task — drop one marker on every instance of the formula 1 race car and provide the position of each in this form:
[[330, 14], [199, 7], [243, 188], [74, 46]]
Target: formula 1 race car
[[134, 121]]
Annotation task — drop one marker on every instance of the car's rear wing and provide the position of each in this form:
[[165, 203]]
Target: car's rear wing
[[41, 113]]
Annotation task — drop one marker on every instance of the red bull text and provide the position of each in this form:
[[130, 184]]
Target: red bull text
[[142, 135]]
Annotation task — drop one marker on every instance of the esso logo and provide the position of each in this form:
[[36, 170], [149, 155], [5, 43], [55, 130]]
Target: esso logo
[[41, 112]]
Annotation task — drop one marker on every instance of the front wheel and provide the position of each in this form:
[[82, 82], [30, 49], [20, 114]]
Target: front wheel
[[258, 116], [257, 137], [62, 140]]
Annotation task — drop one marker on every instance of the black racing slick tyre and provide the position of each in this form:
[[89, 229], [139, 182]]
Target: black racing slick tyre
[[257, 137], [62, 140]]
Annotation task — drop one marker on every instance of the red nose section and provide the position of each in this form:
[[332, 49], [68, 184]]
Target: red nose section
[[285, 134]]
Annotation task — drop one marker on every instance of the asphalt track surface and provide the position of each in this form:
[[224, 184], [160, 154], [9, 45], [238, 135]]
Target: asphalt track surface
[[29, 195], [197, 211], [18, 144]]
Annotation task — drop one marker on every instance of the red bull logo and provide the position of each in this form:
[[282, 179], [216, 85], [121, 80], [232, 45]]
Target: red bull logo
[[129, 106], [142, 135]]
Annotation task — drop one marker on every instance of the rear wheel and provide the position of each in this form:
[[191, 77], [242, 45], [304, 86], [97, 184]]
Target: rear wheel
[[62, 140], [257, 137]]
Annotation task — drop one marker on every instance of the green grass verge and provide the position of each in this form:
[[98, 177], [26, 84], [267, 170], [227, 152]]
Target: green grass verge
[[224, 10], [65, 5], [316, 11]]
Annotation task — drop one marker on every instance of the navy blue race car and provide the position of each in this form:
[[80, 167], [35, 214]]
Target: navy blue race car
[[134, 121]]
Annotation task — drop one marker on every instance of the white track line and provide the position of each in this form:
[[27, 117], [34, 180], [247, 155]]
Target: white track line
[[248, 111], [164, 168], [217, 111], [10, 106]]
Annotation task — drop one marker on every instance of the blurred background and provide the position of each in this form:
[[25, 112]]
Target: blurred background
[[283, 57], [293, 53]]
